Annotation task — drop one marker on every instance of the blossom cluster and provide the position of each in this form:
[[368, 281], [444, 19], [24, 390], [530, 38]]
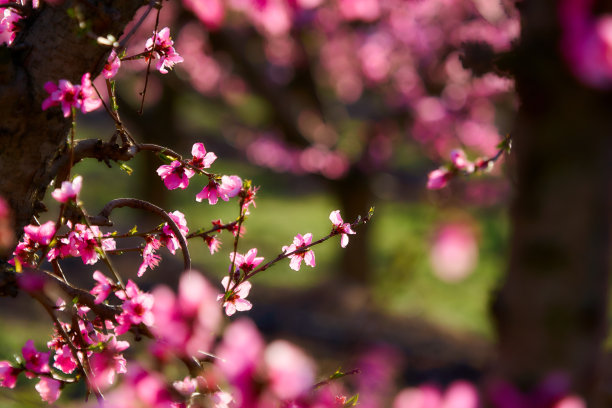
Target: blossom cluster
[[69, 96]]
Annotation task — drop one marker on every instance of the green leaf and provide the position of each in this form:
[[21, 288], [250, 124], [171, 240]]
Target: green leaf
[[126, 168], [352, 401], [165, 158]]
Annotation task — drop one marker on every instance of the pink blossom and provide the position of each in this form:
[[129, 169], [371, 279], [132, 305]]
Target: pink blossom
[[210, 12], [248, 262], [221, 399], [454, 253], [49, 389], [112, 65], [40, 234], [8, 27], [168, 238], [36, 362], [69, 190], [290, 371], [161, 46], [235, 298], [108, 362], [240, 351], [136, 308], [87, 95], [230, 186], [103, 288], [210, 192], [366, 10], [185, 325], [86, 241], [175, 175], [213, 243], [340, 227], [438, 179], [201, 158], [8, 374], [186, 387], [460, 161], [296, 259], [70, 96], [64, 360], [149, 258]]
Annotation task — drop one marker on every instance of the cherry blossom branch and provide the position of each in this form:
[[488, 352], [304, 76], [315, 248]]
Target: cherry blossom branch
[[144, 91], [96, 149], [103, 219], [200, 233], [84, 366], [359, 221]]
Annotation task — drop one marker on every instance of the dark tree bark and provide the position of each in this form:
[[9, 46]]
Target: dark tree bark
[[551, 312], [48, 48]]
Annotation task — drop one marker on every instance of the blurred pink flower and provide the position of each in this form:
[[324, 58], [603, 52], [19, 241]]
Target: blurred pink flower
[[289, 370], [438, 179], [69, 190], [454, 253], [49, 389]]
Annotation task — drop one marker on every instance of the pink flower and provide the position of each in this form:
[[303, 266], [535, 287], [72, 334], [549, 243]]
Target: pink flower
[[69, 190], [106, 363], [40, 234], [70, 96], [64, 360], [201, 159], [340, 227], [210, 192], [221, 399], [246, 263], [49, 389], [234, 299], [186, 387], [112, 65], [460, 161], [85, 240], [438, 179], [36, 362], [168, 238], [210, 12], [149, 258], [230, 186], [8, 27], [175, 175], [454, 253], [213, 243], [290, 371], [87, 95], [307, 255], [8, 374], [136, 308], [103, 288], [161, 46]]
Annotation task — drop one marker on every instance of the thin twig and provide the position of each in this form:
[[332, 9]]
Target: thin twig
[[103, 219]]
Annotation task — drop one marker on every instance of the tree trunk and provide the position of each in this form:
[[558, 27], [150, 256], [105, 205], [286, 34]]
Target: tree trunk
[[551, 312], [48, 48]]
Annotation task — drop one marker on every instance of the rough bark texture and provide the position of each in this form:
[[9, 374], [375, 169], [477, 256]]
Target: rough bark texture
[[48, 48], [551, 312]]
